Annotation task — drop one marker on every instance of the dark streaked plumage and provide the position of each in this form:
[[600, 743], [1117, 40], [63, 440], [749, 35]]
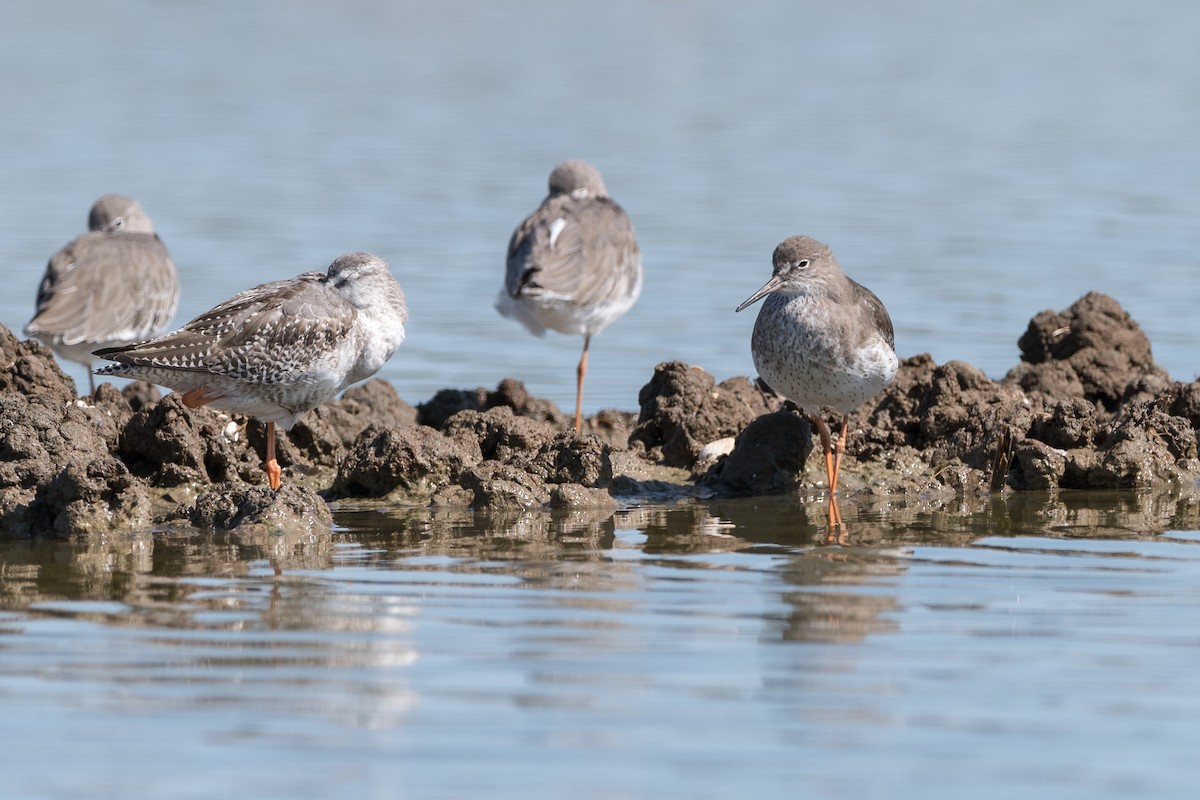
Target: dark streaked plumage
[[280, 349], [573, 264], [112, 285], [821, 339]]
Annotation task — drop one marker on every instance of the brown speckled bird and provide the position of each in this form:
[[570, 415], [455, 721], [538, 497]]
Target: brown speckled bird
[[280, 349]]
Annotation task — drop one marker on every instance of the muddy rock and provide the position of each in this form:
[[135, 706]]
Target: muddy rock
[[28, 368], [499, 434], [1183, 400], [1067, 424], [572, 496], [611, 426], [56, 472], [417, 460], [1038, 466], [322, 436], [239, 507], [109, 411], [510, 394], [1094, 350], [768, 456], [1086, 408], [573, 458], [96, 497], [448, 402], [496, 487], [168, 444], [1070, 450], [946, 412], [683, 409]]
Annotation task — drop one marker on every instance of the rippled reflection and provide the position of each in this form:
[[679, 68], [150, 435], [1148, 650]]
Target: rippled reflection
[[413, 638]]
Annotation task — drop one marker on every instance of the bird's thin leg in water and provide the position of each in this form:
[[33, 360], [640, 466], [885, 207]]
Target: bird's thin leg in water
[[837, 530], [580, 372], [274, 473], [827, 447], [841, 449]]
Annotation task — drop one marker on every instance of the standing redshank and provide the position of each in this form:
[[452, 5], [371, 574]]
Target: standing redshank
[[110, 286], [279, 349], [821, 339], [573, 264]]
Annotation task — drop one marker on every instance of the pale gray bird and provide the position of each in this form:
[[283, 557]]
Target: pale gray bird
[[110, 286], [280, 349], [821, 339], [573, 264]]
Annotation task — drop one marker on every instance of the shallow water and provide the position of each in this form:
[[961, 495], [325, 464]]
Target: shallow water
[[973, 166], [1018, 648]]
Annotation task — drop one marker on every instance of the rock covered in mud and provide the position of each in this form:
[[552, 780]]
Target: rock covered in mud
[[168, 444], [768, 455], [56, 472], [683, 409], [416, 460], [237, 507], [946, 412], [510, 394], [1093, 350], [490, 459]]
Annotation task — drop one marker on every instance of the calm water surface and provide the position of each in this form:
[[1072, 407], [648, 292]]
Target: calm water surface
[[973, 165], [1020, 648]]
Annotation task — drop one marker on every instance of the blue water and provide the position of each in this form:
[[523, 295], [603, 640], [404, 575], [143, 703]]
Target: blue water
[[693, 652], [971, 163]]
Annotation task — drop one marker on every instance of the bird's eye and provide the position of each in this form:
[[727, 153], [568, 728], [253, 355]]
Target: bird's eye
[[803, 263], [117, 224]]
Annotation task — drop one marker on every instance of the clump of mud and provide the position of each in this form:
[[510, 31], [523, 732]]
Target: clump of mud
[[1087, 407]]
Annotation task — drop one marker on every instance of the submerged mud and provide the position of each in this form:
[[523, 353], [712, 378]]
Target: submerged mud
[[1086, 408]]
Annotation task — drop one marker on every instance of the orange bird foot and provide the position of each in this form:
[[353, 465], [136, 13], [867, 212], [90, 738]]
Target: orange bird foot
[[274, 474]]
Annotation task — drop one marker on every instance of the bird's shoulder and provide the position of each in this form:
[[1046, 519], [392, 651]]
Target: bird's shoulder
[[875, 312]]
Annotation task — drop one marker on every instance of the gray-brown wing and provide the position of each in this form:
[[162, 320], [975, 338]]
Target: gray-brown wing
[[102, 287], [269, 334], [876, 313], [582, 249]]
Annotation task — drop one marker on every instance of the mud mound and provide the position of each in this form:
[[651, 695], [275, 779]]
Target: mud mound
[[57, 474], [768, 456], [510, 394], [683, 409], [1092, 350], [245, 508], [492, 459]]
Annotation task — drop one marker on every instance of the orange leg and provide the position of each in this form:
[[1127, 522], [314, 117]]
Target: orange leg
[[834, 513], [841, 449], [580, 372], [274, 473], [827, 447]]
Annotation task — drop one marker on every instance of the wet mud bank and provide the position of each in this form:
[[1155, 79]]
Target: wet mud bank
[[1086, 408]]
